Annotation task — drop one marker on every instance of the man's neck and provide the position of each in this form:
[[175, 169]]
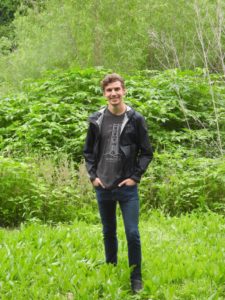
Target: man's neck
[[117, 110]]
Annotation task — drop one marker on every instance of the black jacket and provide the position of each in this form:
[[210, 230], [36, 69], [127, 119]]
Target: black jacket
[[134, 144]]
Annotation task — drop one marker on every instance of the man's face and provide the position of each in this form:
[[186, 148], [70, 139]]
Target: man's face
[[114, 93]]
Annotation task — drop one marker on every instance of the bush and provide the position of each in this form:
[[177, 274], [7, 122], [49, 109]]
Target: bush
[[50, 114], [178, 184], [19, 195], [52, 190], [44, 189]]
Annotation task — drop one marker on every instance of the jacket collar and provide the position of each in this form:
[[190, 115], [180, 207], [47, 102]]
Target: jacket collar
[[98, 116]]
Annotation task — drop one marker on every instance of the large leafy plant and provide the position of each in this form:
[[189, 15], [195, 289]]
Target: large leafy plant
[[49, 115]]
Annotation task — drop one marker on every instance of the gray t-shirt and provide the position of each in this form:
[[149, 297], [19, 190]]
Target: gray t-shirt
[[109, 168]]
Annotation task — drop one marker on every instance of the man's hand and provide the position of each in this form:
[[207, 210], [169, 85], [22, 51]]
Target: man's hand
[[97, 182], [128, 182]]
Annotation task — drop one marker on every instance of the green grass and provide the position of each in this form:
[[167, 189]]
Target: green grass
[[183, 258]]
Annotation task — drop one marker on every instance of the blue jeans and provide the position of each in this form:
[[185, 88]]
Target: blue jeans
[[127, 196]]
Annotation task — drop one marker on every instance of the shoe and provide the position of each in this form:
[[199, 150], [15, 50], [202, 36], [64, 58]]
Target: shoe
[[136, 285]]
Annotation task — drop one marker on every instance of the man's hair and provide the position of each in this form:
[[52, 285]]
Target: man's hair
[[112, 78]]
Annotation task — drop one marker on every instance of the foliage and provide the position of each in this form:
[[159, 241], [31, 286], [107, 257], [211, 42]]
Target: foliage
[[179, 110], [8, 10], [48, 118], [183, 258], [44, 189], [177, 183], [19, 198], [53, 190], [50, 114], [49, 37]]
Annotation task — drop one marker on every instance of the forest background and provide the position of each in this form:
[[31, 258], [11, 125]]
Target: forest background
[[53, 55]]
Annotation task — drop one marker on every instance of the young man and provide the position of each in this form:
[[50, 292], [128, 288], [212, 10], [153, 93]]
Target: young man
[[117, 152]]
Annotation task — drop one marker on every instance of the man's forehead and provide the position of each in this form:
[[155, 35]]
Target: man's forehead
[[114, 84]]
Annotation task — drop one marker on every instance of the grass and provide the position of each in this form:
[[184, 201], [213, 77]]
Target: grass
[[183, 258]]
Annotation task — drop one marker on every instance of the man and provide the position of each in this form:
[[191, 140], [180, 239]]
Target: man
[[117, 152]]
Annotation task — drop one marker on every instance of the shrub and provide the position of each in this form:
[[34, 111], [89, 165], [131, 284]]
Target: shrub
[[19, 195], [178, 184], [50, 115], [43, 188]]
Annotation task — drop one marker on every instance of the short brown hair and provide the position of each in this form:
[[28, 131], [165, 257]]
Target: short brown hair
[[112, 78]]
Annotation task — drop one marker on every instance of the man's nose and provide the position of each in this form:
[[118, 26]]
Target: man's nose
[[113, 92]]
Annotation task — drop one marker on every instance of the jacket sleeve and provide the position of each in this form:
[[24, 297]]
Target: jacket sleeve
[[89, 153], [145, 152]]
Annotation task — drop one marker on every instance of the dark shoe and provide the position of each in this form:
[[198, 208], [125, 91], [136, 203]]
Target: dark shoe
[[136, 285]]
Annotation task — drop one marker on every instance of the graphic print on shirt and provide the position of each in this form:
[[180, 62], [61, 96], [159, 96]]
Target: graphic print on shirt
[[112, 150]]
